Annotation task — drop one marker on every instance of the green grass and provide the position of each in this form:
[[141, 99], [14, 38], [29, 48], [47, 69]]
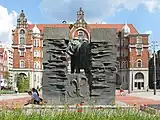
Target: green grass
[[7, 92], [118, 114]]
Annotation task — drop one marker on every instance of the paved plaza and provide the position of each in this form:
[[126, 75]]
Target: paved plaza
[[137, 98]]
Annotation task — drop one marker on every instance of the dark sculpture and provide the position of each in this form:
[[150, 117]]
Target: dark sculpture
[[97, 57], [80, 53]]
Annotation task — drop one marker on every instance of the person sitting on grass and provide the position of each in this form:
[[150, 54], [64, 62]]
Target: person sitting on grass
[[34, 98]]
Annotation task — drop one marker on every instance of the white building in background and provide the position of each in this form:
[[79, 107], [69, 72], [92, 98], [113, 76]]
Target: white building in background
[[9, 62]]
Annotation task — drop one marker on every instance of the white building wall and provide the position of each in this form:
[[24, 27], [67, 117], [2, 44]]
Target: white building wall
[[37, 79]]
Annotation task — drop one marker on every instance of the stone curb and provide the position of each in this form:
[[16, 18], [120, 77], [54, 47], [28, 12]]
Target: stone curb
[[75, 107]]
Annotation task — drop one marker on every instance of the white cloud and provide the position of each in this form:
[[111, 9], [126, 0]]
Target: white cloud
[[7, 23], [148, 32], [96, 11], [152, 5]]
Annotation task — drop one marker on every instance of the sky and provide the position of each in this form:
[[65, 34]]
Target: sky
[[143, 14]]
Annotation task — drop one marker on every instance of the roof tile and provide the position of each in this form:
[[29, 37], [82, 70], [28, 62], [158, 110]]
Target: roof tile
[[117, 26]]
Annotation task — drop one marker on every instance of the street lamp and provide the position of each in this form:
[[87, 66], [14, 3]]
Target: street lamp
[[154, 45]]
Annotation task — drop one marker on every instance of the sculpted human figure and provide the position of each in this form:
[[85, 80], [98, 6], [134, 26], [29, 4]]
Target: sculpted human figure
[[80, 53]]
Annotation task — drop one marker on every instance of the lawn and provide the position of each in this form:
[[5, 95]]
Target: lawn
[[99, 114]]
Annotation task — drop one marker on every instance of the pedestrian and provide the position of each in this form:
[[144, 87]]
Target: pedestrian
[[122, 93]]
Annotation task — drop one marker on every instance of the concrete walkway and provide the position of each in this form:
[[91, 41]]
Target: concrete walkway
[[13, 96], [148, 95], [137, 98]]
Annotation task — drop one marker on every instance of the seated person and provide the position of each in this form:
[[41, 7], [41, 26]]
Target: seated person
[[34, 90], [34, 98]]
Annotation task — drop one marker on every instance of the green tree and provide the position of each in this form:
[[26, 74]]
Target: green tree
[[22, 83]]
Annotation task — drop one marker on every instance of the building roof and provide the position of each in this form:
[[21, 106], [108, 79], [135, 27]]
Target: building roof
[[117, 26]]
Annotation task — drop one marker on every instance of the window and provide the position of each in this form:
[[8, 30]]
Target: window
[[36, 43], [22, 64], [36, 53], [123, 53], [22, 37], [22, 40], [139, 39], [35, 77], [139, 76], [36, 65], [81, 35], [139, 63], [139, 51], [22, 53], [22, 31]]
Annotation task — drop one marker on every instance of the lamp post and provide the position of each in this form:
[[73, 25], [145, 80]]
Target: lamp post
[[154, 45]]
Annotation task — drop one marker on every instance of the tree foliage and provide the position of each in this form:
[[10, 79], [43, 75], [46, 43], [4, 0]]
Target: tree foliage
[[22, 83]]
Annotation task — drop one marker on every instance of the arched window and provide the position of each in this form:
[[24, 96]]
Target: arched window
[[36, 65], [139, 63], [22, 37], [81, 35], [22, 65], [22, 31], [139, 76]]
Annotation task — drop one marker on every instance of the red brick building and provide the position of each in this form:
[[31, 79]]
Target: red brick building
[[132, 50]]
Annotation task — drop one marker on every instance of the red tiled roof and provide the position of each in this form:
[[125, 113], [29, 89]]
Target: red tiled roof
[[117, 26]]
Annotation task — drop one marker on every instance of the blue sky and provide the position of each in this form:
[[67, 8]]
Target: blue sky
[[144, 14]]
